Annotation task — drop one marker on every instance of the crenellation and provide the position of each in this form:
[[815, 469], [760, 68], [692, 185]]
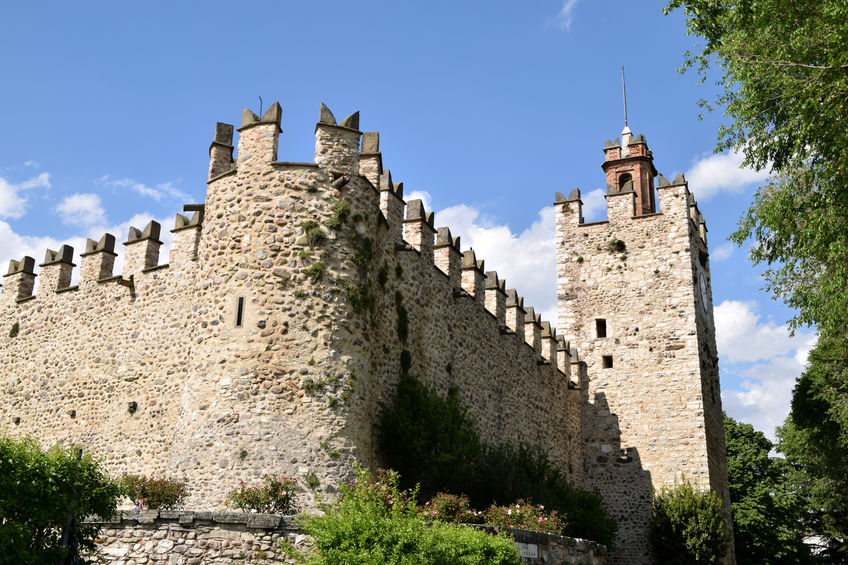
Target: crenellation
[[337, 146], [141, 250], [473, 276], [392, 205], [221, 150], [549, 344], [448, 257], [56, 270], [185, 239], [496, 297], [258, 140], [533, 329], [418, 229], [563, 355], [19, 281], [515, 313], [371, 160]]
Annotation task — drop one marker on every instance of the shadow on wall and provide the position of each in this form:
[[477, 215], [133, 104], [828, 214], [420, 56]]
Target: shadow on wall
[[616, 471]]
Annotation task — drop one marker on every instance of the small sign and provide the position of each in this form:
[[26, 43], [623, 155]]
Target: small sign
[[527, 549]]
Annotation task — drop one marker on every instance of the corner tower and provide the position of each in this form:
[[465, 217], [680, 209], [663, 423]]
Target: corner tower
[[634, 299]]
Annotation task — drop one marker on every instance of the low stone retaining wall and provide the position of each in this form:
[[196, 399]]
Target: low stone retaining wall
[[179, 537]]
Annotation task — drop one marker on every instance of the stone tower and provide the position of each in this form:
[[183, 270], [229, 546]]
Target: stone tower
[[634, 299]]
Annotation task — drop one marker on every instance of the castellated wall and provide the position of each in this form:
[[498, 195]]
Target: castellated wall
[[274, 337], [653, 409]]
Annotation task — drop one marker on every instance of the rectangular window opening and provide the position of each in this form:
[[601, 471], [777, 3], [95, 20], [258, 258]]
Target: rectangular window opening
[[601, 327], [606, 361], [240, 312]]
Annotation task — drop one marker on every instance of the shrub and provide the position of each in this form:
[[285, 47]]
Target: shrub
[[454, 508], [315, 272], [377, 522], [687, 526], [314, 234], [429, 440], [432, 442], [153, 493], [341, 211], [525, 516], [38, 489], [276, 495]]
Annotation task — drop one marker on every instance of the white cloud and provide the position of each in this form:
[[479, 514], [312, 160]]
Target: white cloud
[[422, 195], [565, 17], [722, 252], [742, 335], [83, 210], [12, 203], [526, 260], [156, 192], [594, 205], [32, 164], [767, 360], [721, 173], [15, 246]]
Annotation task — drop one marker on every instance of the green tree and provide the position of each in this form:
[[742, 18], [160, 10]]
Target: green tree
[[783, 69], [815, 440], [767, 507], [38, 489], [687, 526]]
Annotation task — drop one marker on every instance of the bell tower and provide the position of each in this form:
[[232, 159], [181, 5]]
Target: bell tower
[[634, 299]]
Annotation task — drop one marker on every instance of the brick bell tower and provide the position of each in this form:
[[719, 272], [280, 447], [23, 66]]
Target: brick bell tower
[[634, 299]]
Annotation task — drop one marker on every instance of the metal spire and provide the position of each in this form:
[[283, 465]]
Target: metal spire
[[624, 91]]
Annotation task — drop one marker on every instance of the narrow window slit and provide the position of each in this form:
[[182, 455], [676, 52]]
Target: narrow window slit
[[606, 361], [240, 312]]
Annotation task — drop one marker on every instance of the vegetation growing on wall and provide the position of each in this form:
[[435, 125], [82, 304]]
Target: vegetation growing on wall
[[153, 493], [432, 442]]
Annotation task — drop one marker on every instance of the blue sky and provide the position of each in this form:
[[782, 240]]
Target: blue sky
[[485, 109]]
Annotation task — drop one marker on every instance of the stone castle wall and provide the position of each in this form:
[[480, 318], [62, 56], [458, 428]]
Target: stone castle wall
[[271, 341]]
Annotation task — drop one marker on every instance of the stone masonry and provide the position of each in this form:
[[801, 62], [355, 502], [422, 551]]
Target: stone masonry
[[296, 295]]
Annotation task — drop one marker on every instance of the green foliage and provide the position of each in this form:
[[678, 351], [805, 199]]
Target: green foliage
[[359, 297], [383, 275], [315, 272], [276, 495], [377, 523], [300, 294], [687, 526], [364, 251], [783, 71], [616, 246], [402, 318], [506, 473], [304, 255], [310, 479], [37, 491], [13, 332], [312, 387], [454, 508], [432, 443], [153, 493], [429, 440], [341, 212], [815, 442], [314, 234], [525, 516]]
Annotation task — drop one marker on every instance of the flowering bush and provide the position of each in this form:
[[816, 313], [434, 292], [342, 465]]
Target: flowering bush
[[451, 508], [524, 516], [376, 522], [275, 496], [153, 493]]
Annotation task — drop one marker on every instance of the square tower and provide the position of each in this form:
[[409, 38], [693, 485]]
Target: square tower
[[634, 298]]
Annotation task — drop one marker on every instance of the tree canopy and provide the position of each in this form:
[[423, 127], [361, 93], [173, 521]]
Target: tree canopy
[[783, 69], [815, 440], [38, 490], [767, 507]]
